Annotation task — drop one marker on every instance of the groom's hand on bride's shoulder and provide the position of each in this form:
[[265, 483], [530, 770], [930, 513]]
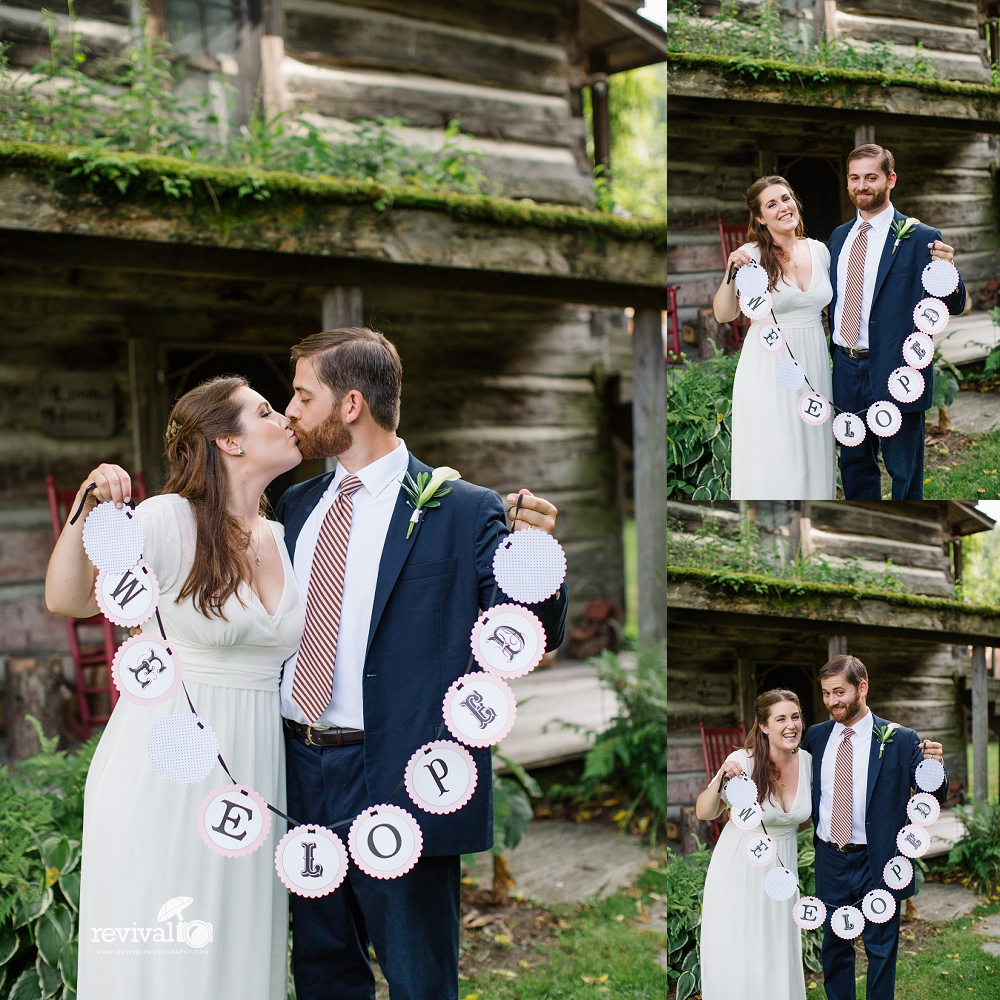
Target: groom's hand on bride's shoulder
[[931, 749], [535, 512]]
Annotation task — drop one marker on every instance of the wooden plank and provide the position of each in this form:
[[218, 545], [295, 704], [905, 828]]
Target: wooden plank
[[861, 519], [936, 36], [980, 727], [111, 11], [953, 12], [27, 35], [870, 547]]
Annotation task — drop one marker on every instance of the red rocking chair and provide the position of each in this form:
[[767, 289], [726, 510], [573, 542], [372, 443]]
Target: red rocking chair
[[717, 745], [731, 238]]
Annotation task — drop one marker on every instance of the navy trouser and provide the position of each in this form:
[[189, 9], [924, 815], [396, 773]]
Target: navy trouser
[[412, 921], [842, 879]]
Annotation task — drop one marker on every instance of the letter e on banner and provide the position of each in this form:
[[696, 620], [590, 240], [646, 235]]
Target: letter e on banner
[[770, 337], [814, 408], [809, 913]]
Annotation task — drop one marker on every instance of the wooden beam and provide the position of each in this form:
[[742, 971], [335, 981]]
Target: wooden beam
[[980, 726], [601, 117], [836, 646], [649, 450], [343, 307]]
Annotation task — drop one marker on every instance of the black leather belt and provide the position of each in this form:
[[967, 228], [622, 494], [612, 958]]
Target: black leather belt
[[847, 848], [853, 352], [325, 736]]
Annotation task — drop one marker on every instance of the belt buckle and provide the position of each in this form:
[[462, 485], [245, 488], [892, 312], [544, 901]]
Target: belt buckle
[[309, 739]]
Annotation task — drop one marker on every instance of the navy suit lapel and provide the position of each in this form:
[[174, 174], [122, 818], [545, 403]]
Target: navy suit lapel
[[302, 510], [874, 760], [888, 257]]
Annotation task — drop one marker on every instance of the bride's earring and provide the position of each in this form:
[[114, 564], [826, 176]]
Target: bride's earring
[[240, 453]]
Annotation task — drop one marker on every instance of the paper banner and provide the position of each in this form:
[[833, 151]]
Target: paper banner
[[809, 912], [130, 598], [756, 306], [113, 538], [898, 873], [814, 408], [790, 373], [780, 884], [940, 278], [878, 906], [918, 350], [770, 338], [751, 279], [508, 640], [759, 849], [849, 429], [234, 821], [906, 385], [441, 777], [146, 669], [847, 922], [929, 774], [923, 809], [747, 817], [931, 315], [884, 418], [529, 566], [741, 791], [479, 709], [311, 861], [913, 841], [385, 841], [183, 748]]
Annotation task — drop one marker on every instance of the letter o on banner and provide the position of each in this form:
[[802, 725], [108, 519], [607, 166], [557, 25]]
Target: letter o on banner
[[906, 385], [809, 913], [385, 841], [884, 418], [878, 906], [849, 429], [847, 922], [898, 873], [918, 350], [814, 408], [770, 338]]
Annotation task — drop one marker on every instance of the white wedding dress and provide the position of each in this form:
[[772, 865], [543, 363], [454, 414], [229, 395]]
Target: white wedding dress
[[776, 455], [141, 845], [750, 946]]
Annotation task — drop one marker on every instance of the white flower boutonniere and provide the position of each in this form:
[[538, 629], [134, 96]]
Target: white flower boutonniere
[[884, 734], [425, 492], [902, 229]]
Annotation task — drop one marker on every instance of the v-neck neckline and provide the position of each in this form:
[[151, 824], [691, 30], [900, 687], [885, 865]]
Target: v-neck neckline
[[284, 578]]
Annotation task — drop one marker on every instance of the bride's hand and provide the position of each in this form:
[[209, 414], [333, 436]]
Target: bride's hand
[[731, 769], [738, 258], [112, 483]]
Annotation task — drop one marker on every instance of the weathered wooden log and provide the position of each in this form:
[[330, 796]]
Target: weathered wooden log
[[342, 307], [692, 827], [980, 728], [711, 334], [34, 687]]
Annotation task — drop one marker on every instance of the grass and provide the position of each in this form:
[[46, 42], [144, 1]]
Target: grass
[[975, 477], [993, 766]]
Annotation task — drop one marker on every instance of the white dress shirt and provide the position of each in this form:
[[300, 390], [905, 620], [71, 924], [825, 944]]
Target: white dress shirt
[[873, 255], [374, 503], [861, 742]]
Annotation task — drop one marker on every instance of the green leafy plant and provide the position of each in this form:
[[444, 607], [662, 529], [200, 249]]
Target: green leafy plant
[[977, 854], [685, 890]]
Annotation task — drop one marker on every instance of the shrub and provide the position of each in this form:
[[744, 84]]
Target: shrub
[[977, 854], [685, 890]]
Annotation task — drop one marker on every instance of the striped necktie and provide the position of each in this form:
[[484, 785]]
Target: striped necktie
[[850, 319], [312, 687], [842, 818]]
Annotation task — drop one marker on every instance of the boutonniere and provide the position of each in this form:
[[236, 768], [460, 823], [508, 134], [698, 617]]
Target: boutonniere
[[884, 734], [902, 229], [427, 490]]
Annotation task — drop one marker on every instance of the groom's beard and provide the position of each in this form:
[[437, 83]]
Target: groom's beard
[[872, 201], [850, 710], [332, 437]]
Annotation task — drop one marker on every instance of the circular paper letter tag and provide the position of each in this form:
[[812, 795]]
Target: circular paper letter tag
[[146, 669], [780, 883], [441, 777], [878, 906], [770, 337], [311, 861], [849, 429], [931, 315], [913, 840], [385, 841], [128, 598], [847, 922], [884, 418], [747, 817], [940, 277], [479, 709], [751, 279], [741, 791], [790, 373], [756, 306], [508, 640], [898, 873], [814, 408], [929, 774], [923, 809], [759, 849], [183, 748], [918, 350], [906, 385], [234, 820], [113, 537], [529, 565], [809, 913]]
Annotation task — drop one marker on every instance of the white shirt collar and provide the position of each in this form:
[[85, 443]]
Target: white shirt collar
[[880, 222], [863, 727], [379, 474]]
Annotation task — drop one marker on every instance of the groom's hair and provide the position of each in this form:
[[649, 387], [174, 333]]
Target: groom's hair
[[356, 357], [885, 159], [846, 666]]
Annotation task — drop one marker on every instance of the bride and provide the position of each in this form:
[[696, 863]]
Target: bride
[[775, 454], [230, 606], [750, 946]]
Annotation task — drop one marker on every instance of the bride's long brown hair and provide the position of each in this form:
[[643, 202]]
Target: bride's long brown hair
[[771, 255], [197, 473], [765, 771]]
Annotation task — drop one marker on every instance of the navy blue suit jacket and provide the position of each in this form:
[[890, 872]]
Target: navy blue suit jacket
[[890, 779], [897, 290], [430, 590]]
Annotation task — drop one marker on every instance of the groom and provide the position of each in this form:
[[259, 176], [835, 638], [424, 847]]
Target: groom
[[860, 788], [387, 630], [876, 285]]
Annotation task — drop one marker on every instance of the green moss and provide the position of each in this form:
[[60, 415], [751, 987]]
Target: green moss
[[295, 191]]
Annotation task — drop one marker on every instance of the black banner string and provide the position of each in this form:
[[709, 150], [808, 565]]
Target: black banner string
[[83, 501]]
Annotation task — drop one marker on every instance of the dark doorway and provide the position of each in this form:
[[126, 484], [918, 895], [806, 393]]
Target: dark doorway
[[817, 182], [793, 677]]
